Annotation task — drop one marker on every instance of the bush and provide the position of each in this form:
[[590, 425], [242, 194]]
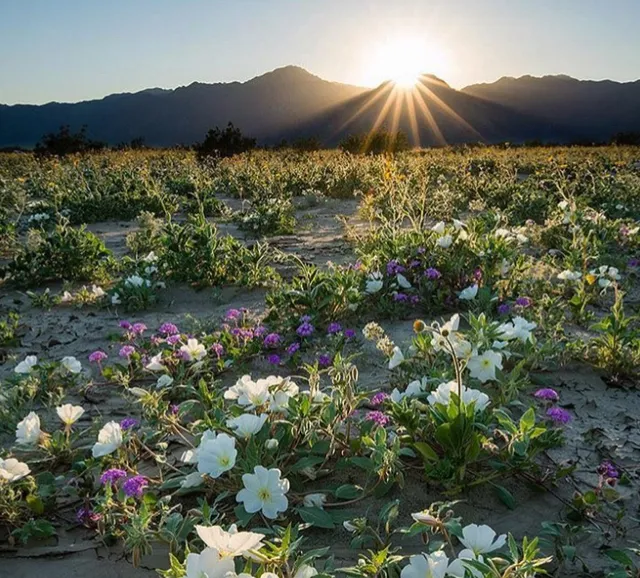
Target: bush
[[376, 143], [64, 142], [224, 143]]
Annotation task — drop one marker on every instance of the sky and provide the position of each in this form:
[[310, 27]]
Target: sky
[[71, 50]]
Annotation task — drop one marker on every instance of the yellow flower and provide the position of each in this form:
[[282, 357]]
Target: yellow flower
[[591, 279]]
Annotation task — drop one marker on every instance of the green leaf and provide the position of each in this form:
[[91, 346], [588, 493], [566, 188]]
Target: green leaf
[[316, 517], [426, 451], [347, 492], [505, 496], [528, 420], [364, 463], [242, 515], [35, 504], [620, 556]]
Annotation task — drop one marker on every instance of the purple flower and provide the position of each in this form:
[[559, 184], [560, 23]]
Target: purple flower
[[305, 329], [414, 299], [174, 409], [125, 325], [173, 339], [274, 359], [324, 360], [547, 394], [112, 476], [272, 340], [378, 417], [608, 471], [127, 351], [394, 267], [421, 251], [432, 273], [218, 349], [523, 302], [129, 422], [233, 314], [634, 263], [293, 348], [167, 329], [86, 516], [97, 356], [134, 486], [242, 334], [138, 328], [305, 319], [350, 333], [334, 328], [260, 331], [477, 274], [559, 415], [379, 398], [413, 264], [400, 297], [503, 309]]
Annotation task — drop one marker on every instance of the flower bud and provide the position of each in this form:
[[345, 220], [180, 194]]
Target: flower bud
[[271, 444]]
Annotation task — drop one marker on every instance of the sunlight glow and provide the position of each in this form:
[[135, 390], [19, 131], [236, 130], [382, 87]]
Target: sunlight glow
[[403, 61]]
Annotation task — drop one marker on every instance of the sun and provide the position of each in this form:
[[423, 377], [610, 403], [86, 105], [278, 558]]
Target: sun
[[403, 61]]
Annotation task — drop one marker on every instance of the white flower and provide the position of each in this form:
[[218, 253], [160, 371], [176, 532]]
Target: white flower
[[217, 455], [66, 297], [457, 225], [562, 205], [264, 491], [271, 444], [155, 363], [522, 239], [12, 470], [69, 414], [445, 241], [483, 367], [349, 527], [305, 571], [247, 424], [403, 281], [229, 544], [208, 564], [374, 283], [97, 292], [71, 364], [439, 227], [193, 480], [193, 350], [396, 358], [314, 500], [151, 258], [426, 566], [115, 299], [414, 388], [255, 394], [164, 381], [568, 275], [28, 431], [502, 233], [469, 293], [27, 365], [109, 440], [150, 270], [443, 395], [458, 569], [480, 539], [425, 518], [134, 281], [505, 267], [519, 328], [239, 388]]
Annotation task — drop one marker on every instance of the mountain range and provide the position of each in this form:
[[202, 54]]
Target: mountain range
[[291, 103]]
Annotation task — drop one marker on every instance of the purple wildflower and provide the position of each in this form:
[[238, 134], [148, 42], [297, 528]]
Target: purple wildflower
[[400, 297], [324, 360], [97, 356], [127, 351], [559, 415], [305, 329], [218, 349], [233, 314], [129, 423], [272, 340], [634, 263], [379, 398], [414, 299], [394, 267], [547, 394], [378, 417], [174, 409], [134, 486], [413, 264], [523, 302], [167, 329], [125, 325], [608, 471], [432, 273], [305, 319], [334, 328], [477, 274], [112, 476], [260, 331], [293, 348], [421, 251], [86, 516], [274, 359], [173, 339], [350, 333], [138, 328], [503, 309]]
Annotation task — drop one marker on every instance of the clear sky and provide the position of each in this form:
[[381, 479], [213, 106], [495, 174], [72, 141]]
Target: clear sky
[[69, 50]]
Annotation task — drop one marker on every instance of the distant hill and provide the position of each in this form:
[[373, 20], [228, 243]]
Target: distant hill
[[262, 107], [433, 114], [593, 110], [291, 103]]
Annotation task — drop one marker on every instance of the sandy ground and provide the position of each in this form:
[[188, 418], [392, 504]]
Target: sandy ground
[[606, 420]]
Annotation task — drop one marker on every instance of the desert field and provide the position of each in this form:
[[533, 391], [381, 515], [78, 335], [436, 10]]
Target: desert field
[[359, 358]]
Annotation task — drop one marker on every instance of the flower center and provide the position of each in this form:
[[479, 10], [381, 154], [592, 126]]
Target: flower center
[[264, 494], [224, 460]]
